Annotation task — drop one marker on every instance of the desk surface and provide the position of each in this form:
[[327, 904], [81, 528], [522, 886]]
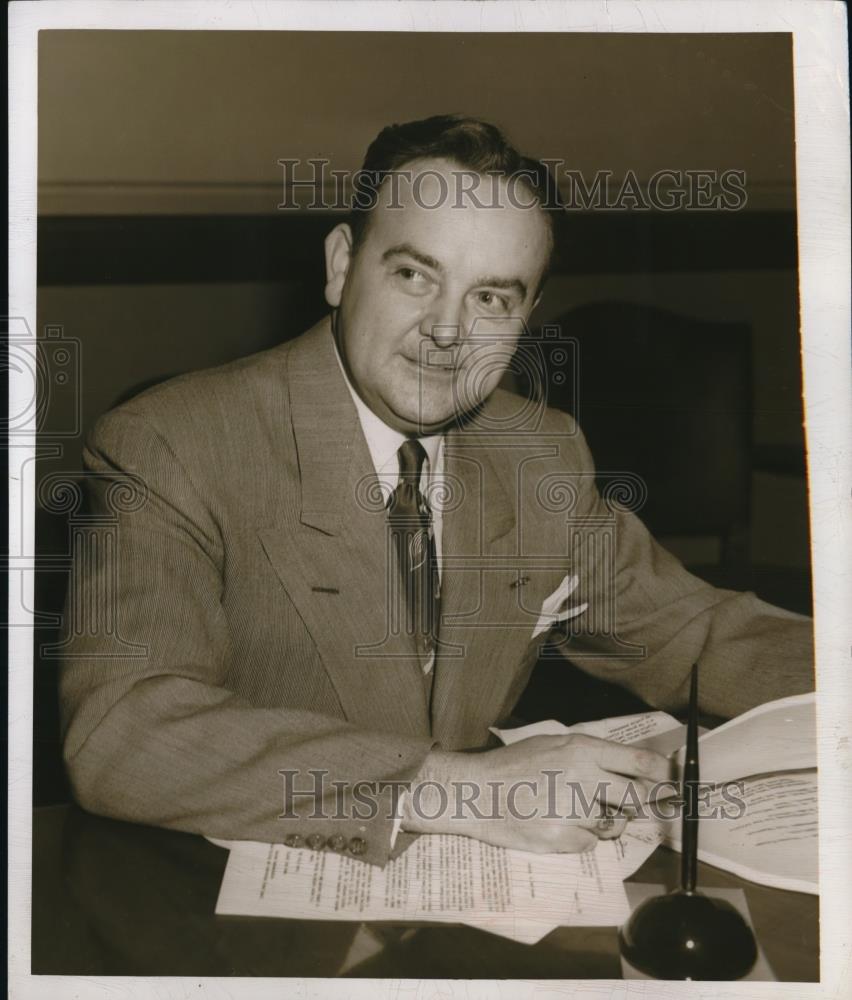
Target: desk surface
[[114, 898]]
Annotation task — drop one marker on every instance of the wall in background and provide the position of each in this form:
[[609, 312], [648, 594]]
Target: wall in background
[[182, 121]]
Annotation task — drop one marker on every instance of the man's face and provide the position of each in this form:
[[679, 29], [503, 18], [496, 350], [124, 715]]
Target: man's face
[[431, 306]]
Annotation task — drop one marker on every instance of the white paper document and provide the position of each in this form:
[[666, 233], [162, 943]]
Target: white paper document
[[621, 729], [441, 878]]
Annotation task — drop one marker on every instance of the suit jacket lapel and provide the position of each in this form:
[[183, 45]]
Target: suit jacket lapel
[[334, 561], [473, 672]]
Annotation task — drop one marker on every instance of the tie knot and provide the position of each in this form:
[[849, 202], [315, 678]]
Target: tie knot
[[411, 456]]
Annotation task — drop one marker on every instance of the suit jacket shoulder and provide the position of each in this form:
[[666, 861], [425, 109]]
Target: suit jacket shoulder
[[512, 426], [207, 409]]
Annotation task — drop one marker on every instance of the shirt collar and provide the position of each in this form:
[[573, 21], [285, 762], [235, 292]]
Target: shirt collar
[[384, 442]]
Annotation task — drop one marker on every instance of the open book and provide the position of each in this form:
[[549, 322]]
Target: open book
[[759, 821]]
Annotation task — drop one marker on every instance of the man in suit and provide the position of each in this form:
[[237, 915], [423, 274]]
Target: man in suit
[[349, 550]]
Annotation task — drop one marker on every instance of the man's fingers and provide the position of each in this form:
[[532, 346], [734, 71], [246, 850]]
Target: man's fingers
[[576, 839], [603, 820], [619, 793], [608, 827], [632, 761]]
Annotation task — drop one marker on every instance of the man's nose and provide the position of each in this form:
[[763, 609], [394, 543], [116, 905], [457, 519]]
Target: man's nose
[[442, 322]]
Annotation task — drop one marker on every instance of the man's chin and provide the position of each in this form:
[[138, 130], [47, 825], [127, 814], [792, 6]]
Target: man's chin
[[427, 424], [425, 420], [424, 412]]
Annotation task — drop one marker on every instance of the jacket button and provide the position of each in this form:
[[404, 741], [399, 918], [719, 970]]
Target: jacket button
[[293, 840], [357, 845], [337, 842], [315, 841]]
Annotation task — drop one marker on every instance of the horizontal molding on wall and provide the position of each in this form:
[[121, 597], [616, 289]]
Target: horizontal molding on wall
[[164, 249], [245, 197], [147, 198]]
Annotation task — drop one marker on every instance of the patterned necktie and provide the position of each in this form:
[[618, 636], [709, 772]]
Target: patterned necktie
[[414, 549]]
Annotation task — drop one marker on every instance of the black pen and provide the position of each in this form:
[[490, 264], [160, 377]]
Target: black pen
[[689, 793]]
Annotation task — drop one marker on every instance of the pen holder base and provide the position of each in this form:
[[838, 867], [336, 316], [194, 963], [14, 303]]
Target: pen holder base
[[688, 936]]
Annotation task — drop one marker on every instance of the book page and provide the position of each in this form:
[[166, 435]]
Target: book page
[[777, 736], [766, 833]]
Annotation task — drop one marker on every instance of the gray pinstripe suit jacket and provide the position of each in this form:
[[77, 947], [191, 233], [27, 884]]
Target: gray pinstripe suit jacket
[[255, 580]]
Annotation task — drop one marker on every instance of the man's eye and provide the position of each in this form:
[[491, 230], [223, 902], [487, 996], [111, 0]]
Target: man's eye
[[411, 281], [409, 274], [492, 301]]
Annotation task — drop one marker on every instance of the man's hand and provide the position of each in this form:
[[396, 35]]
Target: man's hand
[[545, 794]]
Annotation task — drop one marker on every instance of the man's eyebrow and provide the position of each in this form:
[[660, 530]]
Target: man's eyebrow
[[407, 250], [508, 284]]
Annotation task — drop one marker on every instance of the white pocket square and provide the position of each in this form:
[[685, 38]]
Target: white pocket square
[[553, 610]]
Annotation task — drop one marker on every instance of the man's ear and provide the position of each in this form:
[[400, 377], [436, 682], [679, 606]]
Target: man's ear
[[338, 256]]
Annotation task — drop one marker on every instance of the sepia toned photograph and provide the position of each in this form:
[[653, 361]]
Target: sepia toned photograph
[[421, 574]]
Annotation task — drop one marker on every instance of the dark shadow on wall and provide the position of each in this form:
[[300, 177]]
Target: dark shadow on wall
[[665, 403]]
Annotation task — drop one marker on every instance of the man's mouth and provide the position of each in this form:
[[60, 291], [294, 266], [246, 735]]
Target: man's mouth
[[440, 362]]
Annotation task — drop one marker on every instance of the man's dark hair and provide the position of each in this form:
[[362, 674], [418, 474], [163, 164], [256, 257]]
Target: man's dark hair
[[473, 144]]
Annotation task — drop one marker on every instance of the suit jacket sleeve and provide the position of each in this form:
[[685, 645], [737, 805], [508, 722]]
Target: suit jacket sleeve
[[666, 619], [152, 732]]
